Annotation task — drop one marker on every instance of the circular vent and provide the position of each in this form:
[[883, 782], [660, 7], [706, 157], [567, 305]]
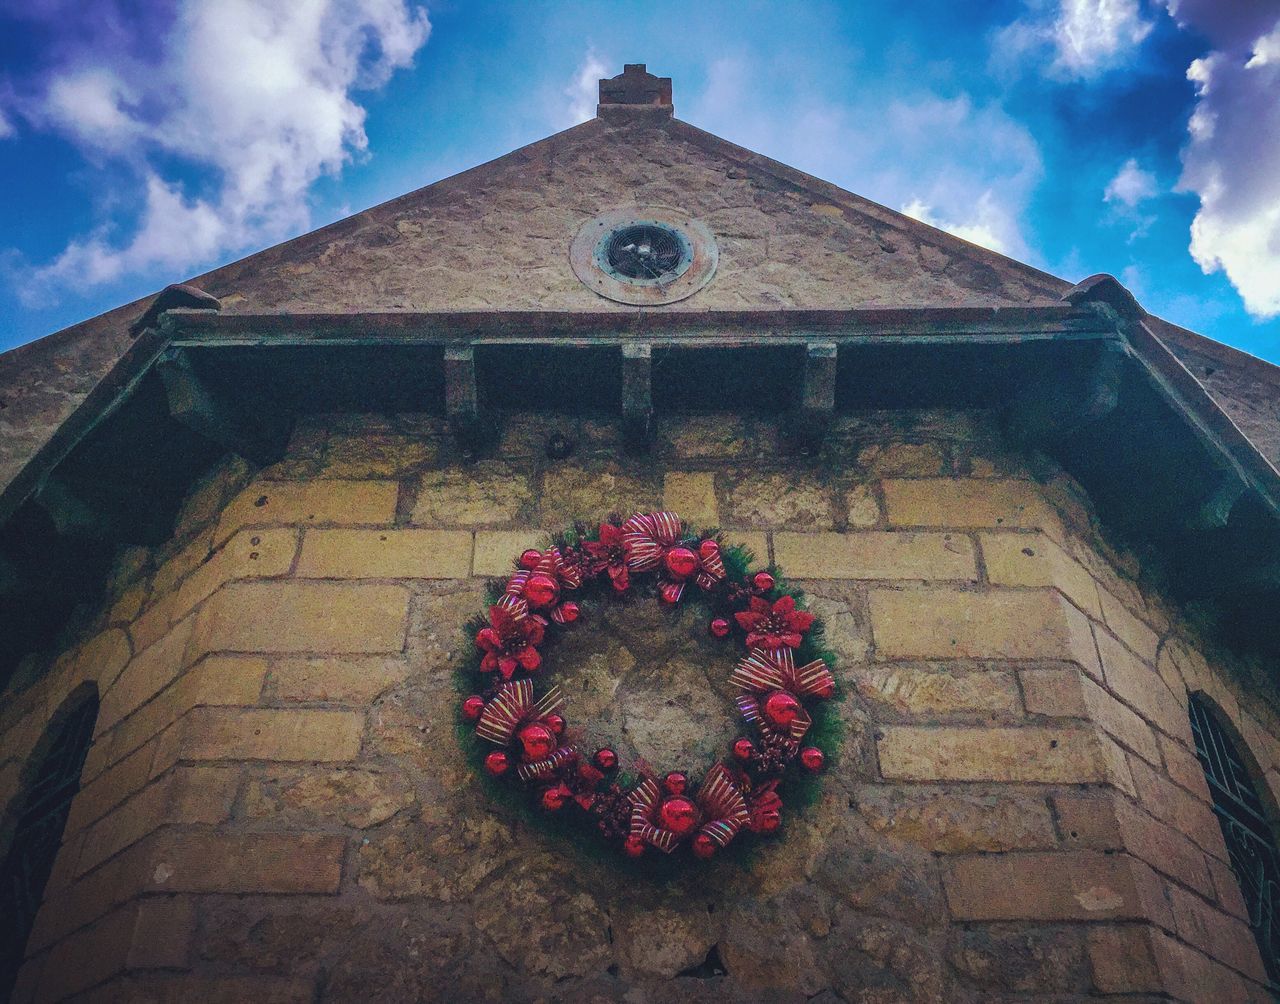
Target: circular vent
[[645, 251], [645, 255]]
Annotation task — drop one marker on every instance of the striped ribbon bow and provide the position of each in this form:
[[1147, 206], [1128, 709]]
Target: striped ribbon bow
[[765, 671], [648, 537], [723, 805], [514, 706], [645, 799]]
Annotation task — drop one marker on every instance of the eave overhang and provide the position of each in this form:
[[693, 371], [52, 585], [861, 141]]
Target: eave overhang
[[1085, 381]]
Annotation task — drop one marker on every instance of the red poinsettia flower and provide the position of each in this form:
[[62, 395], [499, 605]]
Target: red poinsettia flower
[[778, 626], [609, 554], [508, 642]]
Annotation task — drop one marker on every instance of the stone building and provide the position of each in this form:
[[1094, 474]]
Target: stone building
[[244, 522]]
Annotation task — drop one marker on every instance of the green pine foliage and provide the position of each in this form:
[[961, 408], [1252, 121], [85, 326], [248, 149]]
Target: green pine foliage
[[800, 788]]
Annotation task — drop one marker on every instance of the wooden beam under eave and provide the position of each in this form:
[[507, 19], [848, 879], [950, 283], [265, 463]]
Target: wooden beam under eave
[[259, 439], [637, 396], [462, 401], [1053, 409], [810, 420], [1215, 512]]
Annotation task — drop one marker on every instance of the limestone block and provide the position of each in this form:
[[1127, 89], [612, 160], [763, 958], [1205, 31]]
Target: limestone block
[[355, 681], [385, 554], [489, 493], [956, 502], [299, 616], [692, 496], [876, 555], [496, 551], [1053, 886], [943, 623], [1031, 754], [1033, 559], [956, 821], [310, 503]]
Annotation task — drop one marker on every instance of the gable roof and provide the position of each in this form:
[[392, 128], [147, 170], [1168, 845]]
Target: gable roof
[[427, 278], [496, 238]]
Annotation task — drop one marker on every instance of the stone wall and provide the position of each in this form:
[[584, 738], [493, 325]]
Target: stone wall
[[275, 806]]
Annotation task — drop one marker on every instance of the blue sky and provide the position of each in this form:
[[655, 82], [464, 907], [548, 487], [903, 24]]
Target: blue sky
[[143, 142]]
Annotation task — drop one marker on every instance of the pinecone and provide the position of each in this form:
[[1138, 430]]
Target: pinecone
[[612, 810], [773, 752]]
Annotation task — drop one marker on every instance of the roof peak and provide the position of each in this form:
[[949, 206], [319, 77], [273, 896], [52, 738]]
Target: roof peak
[[633, 89]]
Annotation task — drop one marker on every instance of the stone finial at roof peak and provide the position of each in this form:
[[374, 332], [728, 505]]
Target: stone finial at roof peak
[[635, 86]]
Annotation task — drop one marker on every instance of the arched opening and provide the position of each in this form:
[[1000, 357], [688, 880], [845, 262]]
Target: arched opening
[[1241, 813], [37, 836]]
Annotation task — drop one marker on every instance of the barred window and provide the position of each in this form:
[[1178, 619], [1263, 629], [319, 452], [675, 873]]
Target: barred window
[[38, 833], [1250, 842]]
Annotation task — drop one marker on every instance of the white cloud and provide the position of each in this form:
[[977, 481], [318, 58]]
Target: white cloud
[[1084, 37], [255, 95], [583, 92], [984, 227], [898, 147], [1130, 186], [1232, 162]]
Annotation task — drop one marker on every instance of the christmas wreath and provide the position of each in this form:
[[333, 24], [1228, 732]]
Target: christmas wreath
[[783, 674]]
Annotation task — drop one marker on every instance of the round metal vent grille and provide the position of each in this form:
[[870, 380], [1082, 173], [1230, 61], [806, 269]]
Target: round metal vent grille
[[645, 255], [646, 251]]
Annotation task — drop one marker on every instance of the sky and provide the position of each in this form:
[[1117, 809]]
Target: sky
[[145, 142]]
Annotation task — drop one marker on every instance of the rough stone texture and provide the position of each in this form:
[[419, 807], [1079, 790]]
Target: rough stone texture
[[276, 805]]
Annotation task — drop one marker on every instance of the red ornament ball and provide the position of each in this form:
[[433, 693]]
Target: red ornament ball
[[538, 741], [769, 821], [553, 799], [676, 782], [530, 559], [719, 627], [473, 707], [679, 816], [555, 723], [633, 846], [569, 611], [605, 758], [703, 846], [708, 549], [743, 749], [781, 708], [763, 581], [812, 758], [497, 763], [541, 590], [681, 562]]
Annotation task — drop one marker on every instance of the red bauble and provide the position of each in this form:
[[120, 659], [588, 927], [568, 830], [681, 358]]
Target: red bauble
[[553, 799], [770, 820], [633, 846], [538, 741], [763, 581], [681, 562], [530, 559], [743, 749], [708, 549], [569, 611], [497, 763], [541, 590], [812, 758], [555, 723], [719, 627], [605, 758], [679, 816], [703, 846], [473, 707], [676, 782], [781, 708]]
